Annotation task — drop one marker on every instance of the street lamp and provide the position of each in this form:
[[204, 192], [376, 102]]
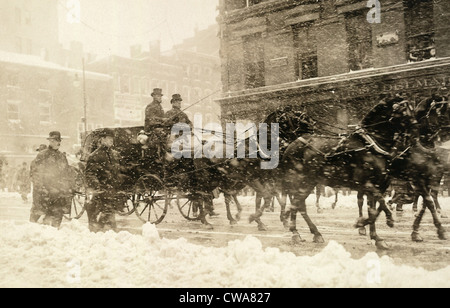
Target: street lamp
[[76, 84]]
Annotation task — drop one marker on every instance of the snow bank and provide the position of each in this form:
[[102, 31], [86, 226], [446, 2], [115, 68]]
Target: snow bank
[[38, 256]]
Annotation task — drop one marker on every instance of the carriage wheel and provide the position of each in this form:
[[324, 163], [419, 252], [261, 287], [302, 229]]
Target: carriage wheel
[[151, 201], [128, 207], [189, 209], [77, 207]]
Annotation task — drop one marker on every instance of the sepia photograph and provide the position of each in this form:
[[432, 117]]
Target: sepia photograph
[[224, 150]]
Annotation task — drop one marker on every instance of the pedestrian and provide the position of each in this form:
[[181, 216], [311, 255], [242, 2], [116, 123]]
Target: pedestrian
[[50, 175], [103, 179], [23, 181], [36, 208]]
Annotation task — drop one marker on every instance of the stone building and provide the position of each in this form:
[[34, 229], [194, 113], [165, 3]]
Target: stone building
[[332, 57]]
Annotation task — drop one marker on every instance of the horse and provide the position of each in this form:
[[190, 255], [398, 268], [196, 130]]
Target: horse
[[357, 162], [419, 162], [221, 172]]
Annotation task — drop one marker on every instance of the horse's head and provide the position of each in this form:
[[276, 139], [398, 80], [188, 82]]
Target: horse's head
[[433, 116], [292, 123]]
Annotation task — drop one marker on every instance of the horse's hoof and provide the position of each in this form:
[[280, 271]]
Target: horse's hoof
[[415, 236], [441, 234], [251, 218], [390, 222], [382, 245], [297, 239], [318, 239], [362, 231], [286, 224], [208, 226], [238, 217], [233, 222], [262, 227], [359, 223], [319, 210], [333, 205]]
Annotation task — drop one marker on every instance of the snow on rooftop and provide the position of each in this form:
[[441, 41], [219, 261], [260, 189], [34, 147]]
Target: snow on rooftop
[[35, 61], [34, 255]]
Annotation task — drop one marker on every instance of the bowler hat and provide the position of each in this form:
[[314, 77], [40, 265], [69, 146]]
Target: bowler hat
[[157, 91], [54, 135], [106, 132], [176, 97]]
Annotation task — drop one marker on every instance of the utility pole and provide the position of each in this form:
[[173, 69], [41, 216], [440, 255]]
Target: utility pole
[[84, 99]]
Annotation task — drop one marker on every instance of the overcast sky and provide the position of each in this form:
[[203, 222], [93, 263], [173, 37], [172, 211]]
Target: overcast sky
[[111, 26]]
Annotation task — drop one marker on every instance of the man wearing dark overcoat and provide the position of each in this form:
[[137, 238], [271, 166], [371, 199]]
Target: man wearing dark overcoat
[[103, 179], [51, 183]]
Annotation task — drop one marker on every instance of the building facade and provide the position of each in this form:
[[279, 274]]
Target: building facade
[[191, 69], [30, 27], [333, 57], [37, 97]]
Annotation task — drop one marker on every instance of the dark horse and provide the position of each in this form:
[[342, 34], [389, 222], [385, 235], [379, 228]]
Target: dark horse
[[223, 172], [359, 162]]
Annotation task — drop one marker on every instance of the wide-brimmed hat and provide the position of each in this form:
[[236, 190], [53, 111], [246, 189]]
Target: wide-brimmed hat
[[157, 91], [55, 135], [176, 97]]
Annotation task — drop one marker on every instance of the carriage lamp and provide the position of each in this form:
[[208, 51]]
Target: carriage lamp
[[142, 138]]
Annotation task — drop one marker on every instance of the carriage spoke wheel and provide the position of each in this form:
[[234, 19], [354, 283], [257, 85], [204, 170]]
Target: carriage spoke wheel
[[78, 199], [128, 207], [189, 209], [151, 202], [77, 207]]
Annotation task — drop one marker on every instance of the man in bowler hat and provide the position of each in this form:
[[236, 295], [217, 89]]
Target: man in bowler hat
[[51, 185], [104, 180]]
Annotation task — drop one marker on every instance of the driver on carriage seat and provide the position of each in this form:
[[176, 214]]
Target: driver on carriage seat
[[155, 126]]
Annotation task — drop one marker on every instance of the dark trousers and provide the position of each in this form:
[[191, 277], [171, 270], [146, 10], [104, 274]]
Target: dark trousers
[[101, 211]]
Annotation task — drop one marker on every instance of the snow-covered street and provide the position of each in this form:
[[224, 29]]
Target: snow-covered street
[[178, 253]]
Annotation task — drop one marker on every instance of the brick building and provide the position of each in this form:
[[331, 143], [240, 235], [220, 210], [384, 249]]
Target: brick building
[[328, 57], [191, 69]]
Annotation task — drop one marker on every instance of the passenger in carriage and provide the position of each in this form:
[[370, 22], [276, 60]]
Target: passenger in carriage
[[176, 115], [104, 180]]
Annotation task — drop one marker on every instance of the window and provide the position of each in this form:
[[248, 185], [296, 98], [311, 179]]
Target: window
[[12, 111], [125, 84], [18, 43], [254, 61], [18, 16], [116, 81], [28, 47], [44, 112], [359, 40], [306, 48], [419, 30], [27, 18], [135, 85], [145, 86]]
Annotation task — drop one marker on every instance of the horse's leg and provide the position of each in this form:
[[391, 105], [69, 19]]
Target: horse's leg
[[312, 227], [333, 205], [437, 223], [202, 215], [238, 206], [434, 194], [227, 204], [282, 200], [360, 198], [319, 190], [296, 238], [374, 212], [259, 187], [416, 200]]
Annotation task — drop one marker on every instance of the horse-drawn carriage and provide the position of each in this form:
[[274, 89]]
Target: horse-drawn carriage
[[150, 183]]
